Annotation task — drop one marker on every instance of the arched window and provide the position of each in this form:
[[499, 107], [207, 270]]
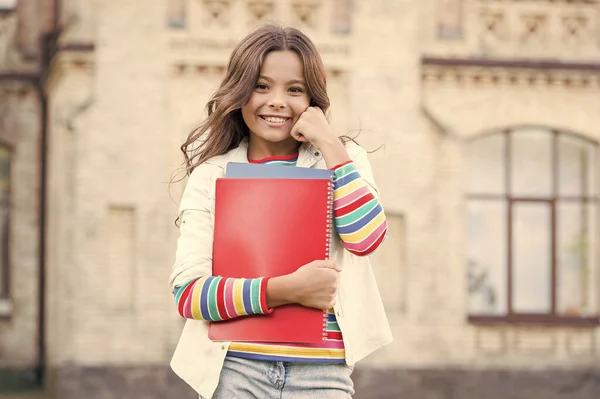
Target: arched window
[[531, 226], [5, 156]]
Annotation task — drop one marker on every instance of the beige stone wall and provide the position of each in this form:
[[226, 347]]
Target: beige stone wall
[[117, 125], [20, 133], [20, 129]]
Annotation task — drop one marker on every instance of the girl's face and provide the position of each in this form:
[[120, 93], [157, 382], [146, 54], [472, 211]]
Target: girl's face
[[279, 98]]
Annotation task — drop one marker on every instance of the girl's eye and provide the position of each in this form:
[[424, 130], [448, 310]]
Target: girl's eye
[[261, 86], [296, 90]]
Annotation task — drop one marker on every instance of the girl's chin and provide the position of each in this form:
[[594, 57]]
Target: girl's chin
[[276, 138]]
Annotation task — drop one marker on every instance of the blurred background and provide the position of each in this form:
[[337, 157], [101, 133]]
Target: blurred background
[[484, 121]]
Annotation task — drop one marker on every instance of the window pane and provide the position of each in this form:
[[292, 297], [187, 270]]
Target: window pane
[[531, 162], [4, 208], [485, 165], [576, 243], [486, 257], [575, 167], [531, 266], [176, 13]]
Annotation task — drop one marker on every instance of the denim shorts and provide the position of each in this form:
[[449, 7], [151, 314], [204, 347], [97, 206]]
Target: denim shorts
[[250, 379]]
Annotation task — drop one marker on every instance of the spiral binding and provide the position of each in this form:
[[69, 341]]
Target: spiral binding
[[328, 243]]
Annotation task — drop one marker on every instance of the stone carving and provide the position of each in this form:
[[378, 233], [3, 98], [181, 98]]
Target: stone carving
[[534, 28], [306, 13], [576, 29], [216, 13], [260, 11], [493, 25], [557, 29]]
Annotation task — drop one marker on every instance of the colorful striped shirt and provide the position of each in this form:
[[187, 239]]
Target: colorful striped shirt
[[361, 224], [359, 217]]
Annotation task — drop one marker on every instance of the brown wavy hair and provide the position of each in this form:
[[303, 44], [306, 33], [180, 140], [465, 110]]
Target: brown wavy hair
[[224, 128]]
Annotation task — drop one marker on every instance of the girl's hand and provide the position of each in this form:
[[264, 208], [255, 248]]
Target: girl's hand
[[314, 285], [312, 126]]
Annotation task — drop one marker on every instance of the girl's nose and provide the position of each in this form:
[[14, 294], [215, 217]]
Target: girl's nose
[[277, 105], [276, 101]]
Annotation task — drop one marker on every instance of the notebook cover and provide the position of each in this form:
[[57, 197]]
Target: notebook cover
[[249, 170], [271, 227]]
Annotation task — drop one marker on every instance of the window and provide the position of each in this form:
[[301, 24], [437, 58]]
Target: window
[[176, 13], [4, 215], [531, 227]]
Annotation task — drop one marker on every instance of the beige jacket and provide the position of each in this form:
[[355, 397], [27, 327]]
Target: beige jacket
[[359, 310]]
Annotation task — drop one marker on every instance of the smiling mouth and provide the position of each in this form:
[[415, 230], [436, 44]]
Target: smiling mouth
[[277, 120]]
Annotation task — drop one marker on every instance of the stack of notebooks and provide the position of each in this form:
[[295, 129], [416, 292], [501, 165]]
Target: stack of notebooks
[[269, 221]]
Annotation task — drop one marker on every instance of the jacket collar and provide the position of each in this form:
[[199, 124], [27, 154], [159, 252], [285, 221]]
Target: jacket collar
[[308, 155]]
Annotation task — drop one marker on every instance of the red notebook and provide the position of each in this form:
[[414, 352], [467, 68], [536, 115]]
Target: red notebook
[[268, 228]]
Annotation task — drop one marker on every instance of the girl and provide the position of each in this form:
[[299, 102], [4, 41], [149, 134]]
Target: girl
[[270, 109]]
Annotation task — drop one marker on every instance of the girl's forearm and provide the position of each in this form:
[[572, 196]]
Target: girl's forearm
[[280, 291]]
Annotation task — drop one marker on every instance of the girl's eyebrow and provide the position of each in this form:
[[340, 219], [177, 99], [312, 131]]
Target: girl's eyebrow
[[268, 79]]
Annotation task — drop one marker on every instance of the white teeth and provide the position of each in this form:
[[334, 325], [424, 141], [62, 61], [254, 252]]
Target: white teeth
[[273, 119]]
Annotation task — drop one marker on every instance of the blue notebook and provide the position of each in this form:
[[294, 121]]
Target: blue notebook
[[242, 170]]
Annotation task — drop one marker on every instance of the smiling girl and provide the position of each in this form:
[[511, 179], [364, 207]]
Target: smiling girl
[[269, 109]]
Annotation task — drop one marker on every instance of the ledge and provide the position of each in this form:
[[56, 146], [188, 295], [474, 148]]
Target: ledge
[[536, 320], [78, 47], [509, 63]]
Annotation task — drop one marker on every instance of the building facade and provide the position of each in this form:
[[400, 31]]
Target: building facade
[[483, 120]]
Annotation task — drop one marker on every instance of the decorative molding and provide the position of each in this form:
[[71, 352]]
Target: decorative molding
[[534, 342], [509, 63], [260, 11], [543, 1], [78, 47], [182, 69], [217, 13], [210, 43], [65, 61], [581, 342], [494, 25], [485, 77], [531, 29], [306, 13], [576, 28], [474, 72], [491, 341]]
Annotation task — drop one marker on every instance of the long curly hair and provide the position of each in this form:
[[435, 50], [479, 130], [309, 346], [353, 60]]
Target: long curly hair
[[224, 128]]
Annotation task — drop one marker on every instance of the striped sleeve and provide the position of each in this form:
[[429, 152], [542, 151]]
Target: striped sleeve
[[216, 298], [359, 217]]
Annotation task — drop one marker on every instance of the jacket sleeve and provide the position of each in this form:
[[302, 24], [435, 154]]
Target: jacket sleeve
[[198, 294], [193, 257]]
